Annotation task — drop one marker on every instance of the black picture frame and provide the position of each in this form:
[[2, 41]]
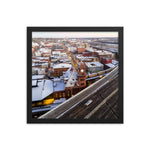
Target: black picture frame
[[72, 29]]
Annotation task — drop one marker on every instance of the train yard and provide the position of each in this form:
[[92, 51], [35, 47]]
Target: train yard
[[79, 106], [83, 109]]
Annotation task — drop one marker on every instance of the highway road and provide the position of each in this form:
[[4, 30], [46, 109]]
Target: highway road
[[72, 103]]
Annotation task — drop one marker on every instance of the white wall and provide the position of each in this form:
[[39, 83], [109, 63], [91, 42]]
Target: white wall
[[15, 16]]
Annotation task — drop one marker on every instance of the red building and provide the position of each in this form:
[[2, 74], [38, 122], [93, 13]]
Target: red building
[[60, 68], [81, 50], [47, 45], [95, 54], [106, 60], [60, 50], [86, 54], [82, 75]]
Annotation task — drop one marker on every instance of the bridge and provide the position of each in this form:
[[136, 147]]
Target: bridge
[[85, 104]]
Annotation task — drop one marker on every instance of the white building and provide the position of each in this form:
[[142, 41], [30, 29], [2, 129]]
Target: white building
[[95, 66]]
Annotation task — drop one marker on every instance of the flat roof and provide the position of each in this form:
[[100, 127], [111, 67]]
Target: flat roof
[[115, 62], [89, 49], [40, 69], [62, 65], [34, 77], [110, 65], [100, 52], [93, 64]]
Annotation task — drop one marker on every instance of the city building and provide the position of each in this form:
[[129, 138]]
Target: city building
[[58, 47], [102, 53], [47, 45], [87, 54], [67, 60], [110, 65], [106, 60], [41, 92], [45, 91], [92, 67], [72, 49], [35, 45], [38, 71], [80, 58], [58, 88], [60, 68], [92, 51], [115, 62], [37, 77], [82, 75], [81, 49], [38, 54], [71, 82]]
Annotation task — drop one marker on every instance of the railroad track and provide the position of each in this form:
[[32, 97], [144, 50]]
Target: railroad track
[[80, 111], [108, 110], [71, 103]]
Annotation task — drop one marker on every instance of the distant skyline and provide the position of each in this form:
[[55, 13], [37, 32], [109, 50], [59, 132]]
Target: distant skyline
[[73, 34]]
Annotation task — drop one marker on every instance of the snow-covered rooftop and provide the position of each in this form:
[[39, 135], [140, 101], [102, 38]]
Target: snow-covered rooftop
[[34, 77], [110, 65], [115, 62], [90, 49], [62, 65], [59, 85], [44, 88], [70, 76], [34, 44], [34, 82], [93, 64], [100, 52]]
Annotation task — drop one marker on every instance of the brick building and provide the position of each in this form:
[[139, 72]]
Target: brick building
[[60, 68], [87, 54], [103, 53], [81, 49], [82, 75], [106, 60]]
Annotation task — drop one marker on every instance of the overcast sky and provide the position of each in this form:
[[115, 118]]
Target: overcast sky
[[73, 34]]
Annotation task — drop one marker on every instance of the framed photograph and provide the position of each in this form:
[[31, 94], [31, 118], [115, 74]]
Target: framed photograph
[[74, 74]]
